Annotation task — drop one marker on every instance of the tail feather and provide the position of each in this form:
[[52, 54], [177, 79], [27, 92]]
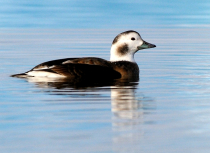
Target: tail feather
[[21, 75]]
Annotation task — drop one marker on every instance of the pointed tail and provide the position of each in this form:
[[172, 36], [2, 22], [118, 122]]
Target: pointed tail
[[21, 75]]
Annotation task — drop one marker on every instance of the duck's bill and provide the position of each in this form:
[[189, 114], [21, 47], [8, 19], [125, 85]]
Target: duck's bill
[[146, 45]]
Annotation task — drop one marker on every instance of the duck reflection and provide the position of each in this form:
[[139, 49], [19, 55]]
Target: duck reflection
[[125, 102], [127, 105]]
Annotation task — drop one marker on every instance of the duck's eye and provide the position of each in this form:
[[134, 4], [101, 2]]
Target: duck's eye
[[132, 38]]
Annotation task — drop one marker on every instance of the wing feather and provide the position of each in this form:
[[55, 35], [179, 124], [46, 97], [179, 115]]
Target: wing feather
[[86, 71]]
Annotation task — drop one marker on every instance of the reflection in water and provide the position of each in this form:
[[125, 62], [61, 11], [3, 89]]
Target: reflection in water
[[127, 107], [126, 104]]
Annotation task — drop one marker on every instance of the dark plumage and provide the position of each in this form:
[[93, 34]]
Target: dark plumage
[[123, 49]]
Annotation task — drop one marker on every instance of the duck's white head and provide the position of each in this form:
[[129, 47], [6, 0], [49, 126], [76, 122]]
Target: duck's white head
[[126, 44]]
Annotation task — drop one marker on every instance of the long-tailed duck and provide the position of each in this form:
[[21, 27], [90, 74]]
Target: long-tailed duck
[[121, 64]]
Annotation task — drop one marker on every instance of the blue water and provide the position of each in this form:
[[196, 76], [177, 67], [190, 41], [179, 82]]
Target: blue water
[[166, 111]]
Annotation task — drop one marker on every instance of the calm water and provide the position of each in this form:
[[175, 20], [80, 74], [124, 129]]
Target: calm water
[[168, 110]]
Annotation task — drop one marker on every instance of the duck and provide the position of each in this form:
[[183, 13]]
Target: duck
[[121, 65]]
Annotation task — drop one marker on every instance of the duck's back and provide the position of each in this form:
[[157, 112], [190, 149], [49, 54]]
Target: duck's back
[[85, 60]]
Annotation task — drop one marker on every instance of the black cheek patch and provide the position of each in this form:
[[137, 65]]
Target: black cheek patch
[[123, 49]]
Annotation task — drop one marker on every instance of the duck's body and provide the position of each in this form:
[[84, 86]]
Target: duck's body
[[121, 64]]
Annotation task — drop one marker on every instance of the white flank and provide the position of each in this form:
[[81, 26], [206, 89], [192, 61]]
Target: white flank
[[44, 74]]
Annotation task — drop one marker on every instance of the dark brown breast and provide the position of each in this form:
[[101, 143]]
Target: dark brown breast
[[128, 70]]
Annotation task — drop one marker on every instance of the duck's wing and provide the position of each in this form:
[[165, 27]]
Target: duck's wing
[[86, 71]]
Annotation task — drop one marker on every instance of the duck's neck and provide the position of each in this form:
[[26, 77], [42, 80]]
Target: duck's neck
[[115, 56]]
